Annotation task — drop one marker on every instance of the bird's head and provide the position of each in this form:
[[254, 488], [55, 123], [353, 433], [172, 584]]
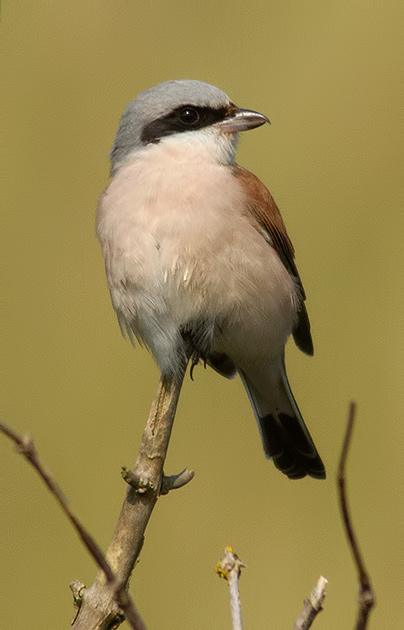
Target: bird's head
[[182, 111]]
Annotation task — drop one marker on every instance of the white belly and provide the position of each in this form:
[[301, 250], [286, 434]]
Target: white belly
[[179, 247]]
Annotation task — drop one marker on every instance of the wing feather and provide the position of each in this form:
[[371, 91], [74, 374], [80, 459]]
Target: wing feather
[[267, 216]]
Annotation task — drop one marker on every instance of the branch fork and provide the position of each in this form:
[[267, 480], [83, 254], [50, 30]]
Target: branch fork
[[143, 484]]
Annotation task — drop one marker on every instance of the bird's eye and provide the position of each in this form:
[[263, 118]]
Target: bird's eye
[[189, 116]]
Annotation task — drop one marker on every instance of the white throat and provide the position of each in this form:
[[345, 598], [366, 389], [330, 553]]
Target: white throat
[[205, 145]]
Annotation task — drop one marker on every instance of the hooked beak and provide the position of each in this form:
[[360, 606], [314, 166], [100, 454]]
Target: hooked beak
[[242, 120]]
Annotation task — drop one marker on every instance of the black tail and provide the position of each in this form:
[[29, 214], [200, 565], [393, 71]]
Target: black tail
[[290, 446], [285, 437]]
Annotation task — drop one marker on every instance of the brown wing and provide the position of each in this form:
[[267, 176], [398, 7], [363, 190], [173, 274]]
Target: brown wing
[[266, 212]]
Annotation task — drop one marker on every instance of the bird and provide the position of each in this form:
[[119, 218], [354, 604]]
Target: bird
[[197, 256]]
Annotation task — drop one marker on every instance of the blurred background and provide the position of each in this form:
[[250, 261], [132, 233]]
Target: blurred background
[[329, 76]]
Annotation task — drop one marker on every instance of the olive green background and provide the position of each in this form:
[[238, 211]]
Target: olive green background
[[329, 75]]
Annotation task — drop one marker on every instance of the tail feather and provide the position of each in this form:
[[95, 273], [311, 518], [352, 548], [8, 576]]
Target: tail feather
[[292, 452], [285, 437]]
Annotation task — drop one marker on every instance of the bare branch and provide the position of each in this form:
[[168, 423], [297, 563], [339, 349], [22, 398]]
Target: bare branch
[[145, 484], [26, 447], [229, 568], [366, 596], [312, 605]]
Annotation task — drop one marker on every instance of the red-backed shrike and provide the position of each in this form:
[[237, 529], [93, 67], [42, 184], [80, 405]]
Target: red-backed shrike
[[196, 251]]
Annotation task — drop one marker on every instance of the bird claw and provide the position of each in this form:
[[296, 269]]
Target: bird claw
[[194, 363]]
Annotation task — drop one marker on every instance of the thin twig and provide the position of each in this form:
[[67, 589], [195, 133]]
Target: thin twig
[[229, 568], [366, 596], [312, 605], [26, 447]]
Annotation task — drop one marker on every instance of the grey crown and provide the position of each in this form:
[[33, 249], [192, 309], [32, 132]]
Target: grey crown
[[156, 102]]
